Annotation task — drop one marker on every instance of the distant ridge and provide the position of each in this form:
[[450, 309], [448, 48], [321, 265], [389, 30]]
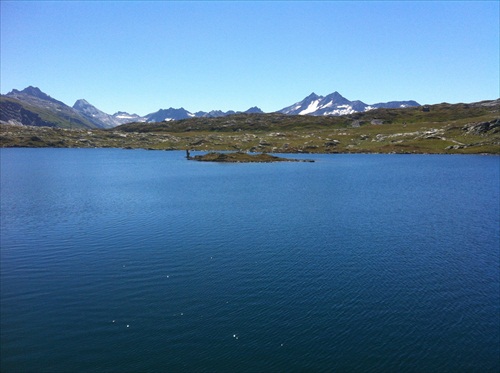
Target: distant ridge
[[31, 106]]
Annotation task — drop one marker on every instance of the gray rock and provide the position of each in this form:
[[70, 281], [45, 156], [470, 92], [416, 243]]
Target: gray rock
[[332, 143], [482, 127]]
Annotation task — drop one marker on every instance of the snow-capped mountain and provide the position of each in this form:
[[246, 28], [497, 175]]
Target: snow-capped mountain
[[336, 104]]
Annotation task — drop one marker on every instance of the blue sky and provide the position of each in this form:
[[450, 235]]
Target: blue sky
[[143, 56]]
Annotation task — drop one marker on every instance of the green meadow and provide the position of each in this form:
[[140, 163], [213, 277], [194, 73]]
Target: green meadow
[[443, 128]]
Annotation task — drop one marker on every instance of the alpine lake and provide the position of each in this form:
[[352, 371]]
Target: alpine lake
[[118, 260]]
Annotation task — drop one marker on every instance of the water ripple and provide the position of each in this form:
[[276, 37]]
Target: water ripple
[[353, 263]]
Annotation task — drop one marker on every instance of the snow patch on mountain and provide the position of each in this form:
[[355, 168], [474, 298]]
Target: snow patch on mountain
[[313, 106], [341, 110]]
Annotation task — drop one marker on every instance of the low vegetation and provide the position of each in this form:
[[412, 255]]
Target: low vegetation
[[444, 128]]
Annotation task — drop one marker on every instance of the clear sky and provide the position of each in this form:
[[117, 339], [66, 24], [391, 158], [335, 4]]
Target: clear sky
[[143, 56]]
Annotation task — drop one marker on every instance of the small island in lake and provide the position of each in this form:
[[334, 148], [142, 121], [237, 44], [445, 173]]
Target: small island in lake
[[240, 157]]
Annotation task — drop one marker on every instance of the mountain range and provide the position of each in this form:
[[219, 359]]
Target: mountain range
[[33, 107]]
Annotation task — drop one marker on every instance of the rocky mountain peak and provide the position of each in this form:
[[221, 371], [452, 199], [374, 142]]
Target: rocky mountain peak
[[80, 104], [33, 92], [335, 96], [254, 110], [312, 96]]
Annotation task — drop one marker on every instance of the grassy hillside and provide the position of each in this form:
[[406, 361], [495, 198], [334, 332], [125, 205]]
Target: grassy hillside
[[441, 113], [444, 128]]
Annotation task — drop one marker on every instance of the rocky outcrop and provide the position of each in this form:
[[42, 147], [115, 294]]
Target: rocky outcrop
[[14, 113], [482, 127]]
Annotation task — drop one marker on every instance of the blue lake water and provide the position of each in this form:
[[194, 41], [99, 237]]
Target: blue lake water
[[128, 260]]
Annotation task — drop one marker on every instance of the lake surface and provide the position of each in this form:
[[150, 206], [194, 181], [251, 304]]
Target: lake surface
[[129, 260]]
